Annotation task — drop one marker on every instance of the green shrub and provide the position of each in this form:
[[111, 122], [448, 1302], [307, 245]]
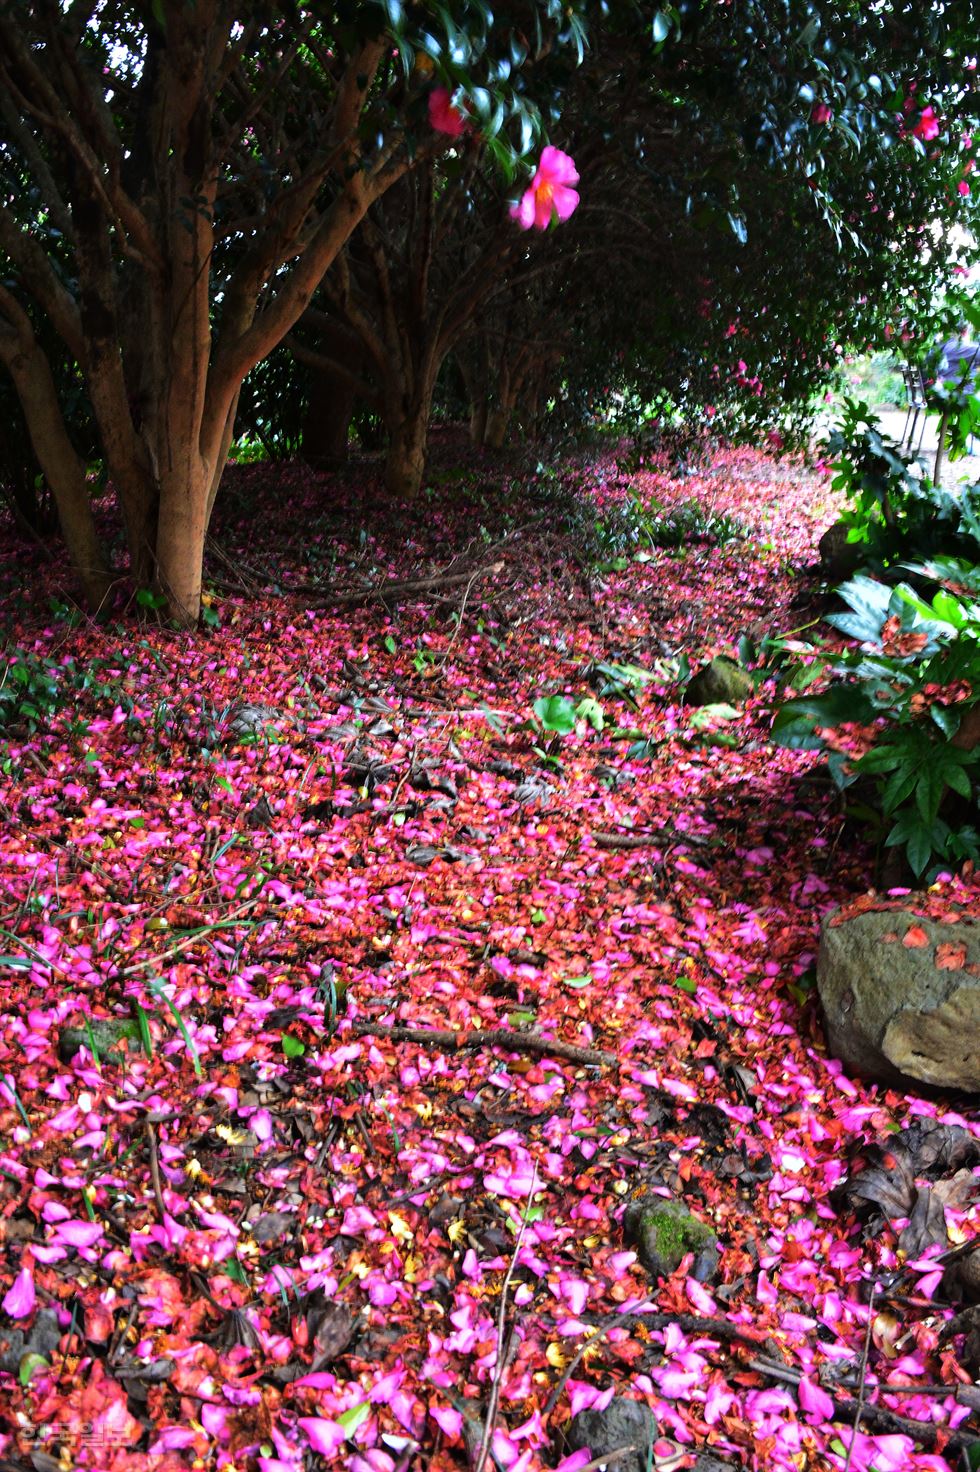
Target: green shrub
[[896, 701], [34, 688], [894, 511]]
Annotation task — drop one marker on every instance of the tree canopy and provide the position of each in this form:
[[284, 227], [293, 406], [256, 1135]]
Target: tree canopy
[[184, 186]]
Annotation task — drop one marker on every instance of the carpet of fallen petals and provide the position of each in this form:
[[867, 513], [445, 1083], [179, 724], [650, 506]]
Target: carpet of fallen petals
[[259, 1231]]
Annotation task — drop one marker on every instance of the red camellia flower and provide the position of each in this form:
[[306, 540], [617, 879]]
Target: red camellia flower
[[821, 113], [443, 116]]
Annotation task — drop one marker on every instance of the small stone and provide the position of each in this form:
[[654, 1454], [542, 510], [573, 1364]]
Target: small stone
[[248, 722], [272, 1226], [839, 558], [664, 1232], [722, 682], [43, 1339], [623, 1423]]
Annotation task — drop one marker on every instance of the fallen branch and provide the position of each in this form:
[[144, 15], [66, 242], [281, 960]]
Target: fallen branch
[[848, 1408], [524, 1043], [721, 1329], [189, 940], [644, 840], [626, 840], [154, 1154], [856, 1409], [862, 1377], [403, 587]]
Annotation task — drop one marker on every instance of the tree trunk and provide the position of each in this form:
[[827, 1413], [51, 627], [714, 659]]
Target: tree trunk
[[326, 429], [61, 465], [479, 414], [181, 530], [497, 424], [407, 454]]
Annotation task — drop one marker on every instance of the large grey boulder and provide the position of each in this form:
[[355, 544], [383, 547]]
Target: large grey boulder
[[901, 997]]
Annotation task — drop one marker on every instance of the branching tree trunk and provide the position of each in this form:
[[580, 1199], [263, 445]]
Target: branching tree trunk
[[62, 466], [138, 188], [427, 259]]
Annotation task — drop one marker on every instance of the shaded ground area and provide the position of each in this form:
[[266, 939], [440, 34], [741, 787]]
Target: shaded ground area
[[263, 1229]]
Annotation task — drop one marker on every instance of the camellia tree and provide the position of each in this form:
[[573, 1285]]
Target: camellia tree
[[426, 261], [175, 179], [772, 186]]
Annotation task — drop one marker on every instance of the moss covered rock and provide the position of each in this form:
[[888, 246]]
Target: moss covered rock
[[722, 682], [105, 1036], [663, 1232]]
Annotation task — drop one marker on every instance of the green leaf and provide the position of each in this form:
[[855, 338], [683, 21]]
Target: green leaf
[[143, 1024], [796, 734], [869, 601], [929, 792], [946, 718], [578, 982], [355, 1417], [706, 714], [156, 987], [555, 713], [880, 759], [900, 785], [590, 710], [292, 1047], [29, 1366], [686, 984], [958, 780], [147, 598]]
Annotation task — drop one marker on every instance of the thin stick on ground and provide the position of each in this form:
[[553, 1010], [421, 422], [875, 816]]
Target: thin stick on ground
[[154, 1154], [862, 1377], [499, 1366], [401, 587]]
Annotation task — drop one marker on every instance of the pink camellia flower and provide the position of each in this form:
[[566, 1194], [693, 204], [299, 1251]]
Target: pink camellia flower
[[19, 1299], [815, 1403], [927, 127], [822, 113], [443, 117], [325, 1437], [963, 187], [550, 193]]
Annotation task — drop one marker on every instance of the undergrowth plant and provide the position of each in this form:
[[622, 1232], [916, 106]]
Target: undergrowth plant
[[901, 710], [34, 688], [894, 511]]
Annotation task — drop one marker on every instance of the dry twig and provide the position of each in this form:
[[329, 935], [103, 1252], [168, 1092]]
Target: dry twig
[[500, 1361], [531, 1043]]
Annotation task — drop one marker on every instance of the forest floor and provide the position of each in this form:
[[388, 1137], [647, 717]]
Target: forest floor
[[244, 1223]]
